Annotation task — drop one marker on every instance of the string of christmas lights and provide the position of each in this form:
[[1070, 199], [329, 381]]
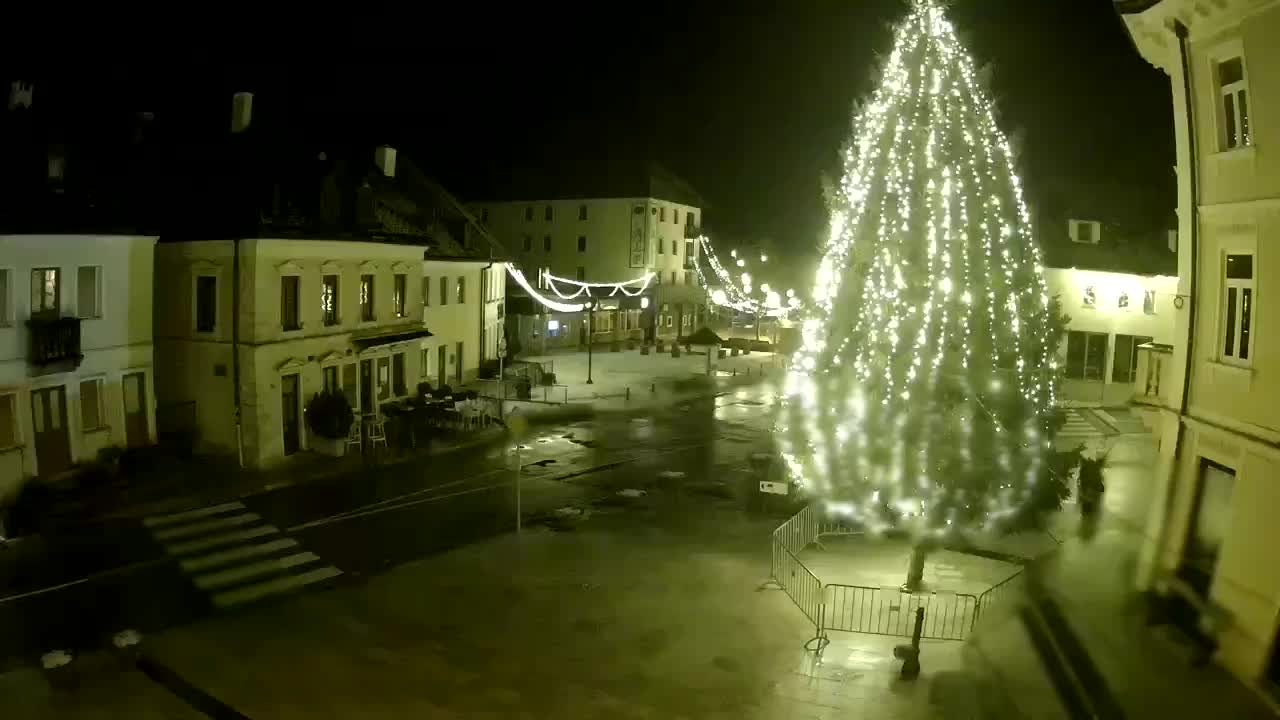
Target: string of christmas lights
[[518, 276], [729, 294], [629, 288], [929, 297]]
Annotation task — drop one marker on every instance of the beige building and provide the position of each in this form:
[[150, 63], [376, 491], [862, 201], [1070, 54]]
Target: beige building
[[646, 227], [1212, 537], [462, 306], [75, 351]]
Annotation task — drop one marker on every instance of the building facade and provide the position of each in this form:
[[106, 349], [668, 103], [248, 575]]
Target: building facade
[[75, 350], [598, 238], [1213, 399], [462, 306]]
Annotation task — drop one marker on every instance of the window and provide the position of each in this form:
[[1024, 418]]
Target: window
[[6, 303], [690, 220], [1086, 355], [8, 420], [1124, 362], [1090, 296], [384, 378], [1085, 231], [1235, 104], [582, 212], [1149, 302], [462, 290], [46, 291], [206, 303], [424, 363], [528, 243], [546, 243], [675, 216], [91, 414], [528, 214], [349, 386], [688, 254], [662, 214], [582, 243], [399, 288], [426, 290], [289, 319], [89, 291], [662, 247], [546, 213], [330, 376], [1237, 310], [582, 274], [673, 277], [329, 299], [484, 214], [397, 375], [675, 249], [366, 298], [444, 290]]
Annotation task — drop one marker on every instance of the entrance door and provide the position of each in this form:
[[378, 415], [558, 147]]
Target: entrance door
[[457, 366], [1124, 365], [49, 422], [1086, 355], [289, 412], [135, 410], [442, 359], [367, 403]]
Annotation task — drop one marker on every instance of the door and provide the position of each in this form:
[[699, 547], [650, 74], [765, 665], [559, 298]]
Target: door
[[135, 410], [367, 403], [289, 413], [457, 366], [1124, 365], [49, 425], [442, 359], [1086, 355]]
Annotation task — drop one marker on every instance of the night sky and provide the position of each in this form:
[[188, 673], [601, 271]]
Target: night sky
[[748, 101]]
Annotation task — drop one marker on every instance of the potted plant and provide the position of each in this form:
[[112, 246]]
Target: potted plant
[[329, 416]]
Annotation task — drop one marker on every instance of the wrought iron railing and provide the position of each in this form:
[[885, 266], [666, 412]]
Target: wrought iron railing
[[54, 340]]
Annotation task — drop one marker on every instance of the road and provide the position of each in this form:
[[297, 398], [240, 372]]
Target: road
[[160, 572]]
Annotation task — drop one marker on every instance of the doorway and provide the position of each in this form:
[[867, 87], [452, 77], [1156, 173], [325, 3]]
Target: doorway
[[457, 366], [49, 425], [442, 358], [1124, 365], [135, 410], [367, 403], [1086, 355], [289, 413]]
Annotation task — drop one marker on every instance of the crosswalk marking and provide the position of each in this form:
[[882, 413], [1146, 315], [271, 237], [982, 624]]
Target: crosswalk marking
[[234, 555]]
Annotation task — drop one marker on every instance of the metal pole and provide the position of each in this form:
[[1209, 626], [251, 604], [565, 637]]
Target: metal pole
[[502, 388], [518, 498], [590, 330]]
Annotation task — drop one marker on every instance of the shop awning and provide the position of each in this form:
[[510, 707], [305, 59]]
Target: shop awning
[[389, 336]]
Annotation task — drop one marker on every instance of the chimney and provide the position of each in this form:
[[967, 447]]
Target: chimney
[[20, 94], [385, 156], [241, 111]]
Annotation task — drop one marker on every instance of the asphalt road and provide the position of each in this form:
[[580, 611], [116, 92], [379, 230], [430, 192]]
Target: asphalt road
[[122, 577]]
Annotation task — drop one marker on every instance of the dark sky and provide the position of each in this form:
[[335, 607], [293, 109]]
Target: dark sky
[[748, 101]]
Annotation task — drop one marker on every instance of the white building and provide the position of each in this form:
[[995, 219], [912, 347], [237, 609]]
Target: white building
[[75, 350], [1212, 535], [462, 306], [609, 234]]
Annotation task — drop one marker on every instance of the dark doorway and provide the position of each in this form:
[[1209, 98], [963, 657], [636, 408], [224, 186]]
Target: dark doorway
[[289, 413], [442, 359], [1086, 355], [135, 410], [457, 366], [49, 424], [367, 403], [1124, 365], [1210, 518]]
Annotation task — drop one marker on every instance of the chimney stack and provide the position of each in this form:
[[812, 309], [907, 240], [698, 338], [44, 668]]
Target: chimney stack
[[241, 111], [385, 156]]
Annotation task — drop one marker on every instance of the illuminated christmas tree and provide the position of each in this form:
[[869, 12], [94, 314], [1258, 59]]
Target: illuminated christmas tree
[[922, 396]]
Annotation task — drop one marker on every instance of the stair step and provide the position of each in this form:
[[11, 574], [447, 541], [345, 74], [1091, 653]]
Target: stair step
[[159, 520], [205, 527], [275, 586], [241, 573], [205, 544], [236, 554]]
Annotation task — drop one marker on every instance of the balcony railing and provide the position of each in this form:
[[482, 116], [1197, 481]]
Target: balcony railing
[[54, 340], [1153, 379]]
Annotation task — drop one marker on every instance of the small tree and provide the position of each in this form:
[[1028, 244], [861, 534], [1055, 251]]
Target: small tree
[[329, 415]]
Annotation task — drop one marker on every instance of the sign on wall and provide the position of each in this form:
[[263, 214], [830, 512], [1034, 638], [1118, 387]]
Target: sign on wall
[[639, 237]]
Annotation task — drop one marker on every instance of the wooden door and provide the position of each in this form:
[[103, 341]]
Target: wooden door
[[289, 413], [135, 410], [49, 426]]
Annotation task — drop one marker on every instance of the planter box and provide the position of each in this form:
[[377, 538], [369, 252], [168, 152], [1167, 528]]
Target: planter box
[[328, 446], [675, 351]]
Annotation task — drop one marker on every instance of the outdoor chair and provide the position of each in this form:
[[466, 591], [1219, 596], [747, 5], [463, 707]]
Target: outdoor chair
[[353, 435], [378, 432]]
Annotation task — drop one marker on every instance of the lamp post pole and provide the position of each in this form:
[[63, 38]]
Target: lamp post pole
[[591, 311]]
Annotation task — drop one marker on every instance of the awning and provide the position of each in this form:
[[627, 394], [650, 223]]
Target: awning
[[389, 336]]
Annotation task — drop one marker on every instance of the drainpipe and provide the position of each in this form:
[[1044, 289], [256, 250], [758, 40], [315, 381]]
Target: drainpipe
[[1193, 180], [235, 345]]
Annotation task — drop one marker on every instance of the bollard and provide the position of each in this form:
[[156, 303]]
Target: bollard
[[735, 372], [910, 654]]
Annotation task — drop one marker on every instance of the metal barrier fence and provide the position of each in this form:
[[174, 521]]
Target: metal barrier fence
[[510, 390], [890, 611], [878, 611]]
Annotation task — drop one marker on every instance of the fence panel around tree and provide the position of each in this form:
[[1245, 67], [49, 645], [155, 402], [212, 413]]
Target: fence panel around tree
[[889, 611]]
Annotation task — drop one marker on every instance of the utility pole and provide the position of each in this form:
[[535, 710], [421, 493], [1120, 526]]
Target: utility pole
[[591, 311]]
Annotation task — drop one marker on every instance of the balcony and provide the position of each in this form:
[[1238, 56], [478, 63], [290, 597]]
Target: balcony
[[54, 343], [1153, 379]]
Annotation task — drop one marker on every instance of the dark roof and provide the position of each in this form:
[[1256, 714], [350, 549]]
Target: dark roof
[[595, 177], [704, 336], [1135, 223], [1130, 7]]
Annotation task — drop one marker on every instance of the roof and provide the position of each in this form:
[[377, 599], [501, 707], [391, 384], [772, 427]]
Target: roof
[[598, 177]]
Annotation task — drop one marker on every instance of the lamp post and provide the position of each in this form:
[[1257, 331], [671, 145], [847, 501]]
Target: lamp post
[[591, 308]]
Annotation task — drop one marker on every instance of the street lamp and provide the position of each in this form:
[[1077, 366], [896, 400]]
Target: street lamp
[[591, 306]]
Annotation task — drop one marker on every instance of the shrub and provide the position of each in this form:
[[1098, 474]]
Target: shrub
[[329, 415]]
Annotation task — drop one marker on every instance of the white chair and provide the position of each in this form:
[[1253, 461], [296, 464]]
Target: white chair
[[353, 436], [378, 432]]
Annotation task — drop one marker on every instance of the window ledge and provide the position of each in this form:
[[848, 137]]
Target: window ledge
[[1239, 152], [1217, 366]]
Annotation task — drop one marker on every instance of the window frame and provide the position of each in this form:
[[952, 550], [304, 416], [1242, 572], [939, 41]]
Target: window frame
[[13, 420], [296, 278], [548, 214], [1095, 229], [98, 381], [582, 243], [460, 290], [372, 305], [444, 290], [330, 317], [1238, 325], [399, 366], [528, 213], [399, 295], [1245, 132], [98, 294], [6, 296], [57, 293], [546, 243], [426, 291], [195, 302], [582, 212]]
